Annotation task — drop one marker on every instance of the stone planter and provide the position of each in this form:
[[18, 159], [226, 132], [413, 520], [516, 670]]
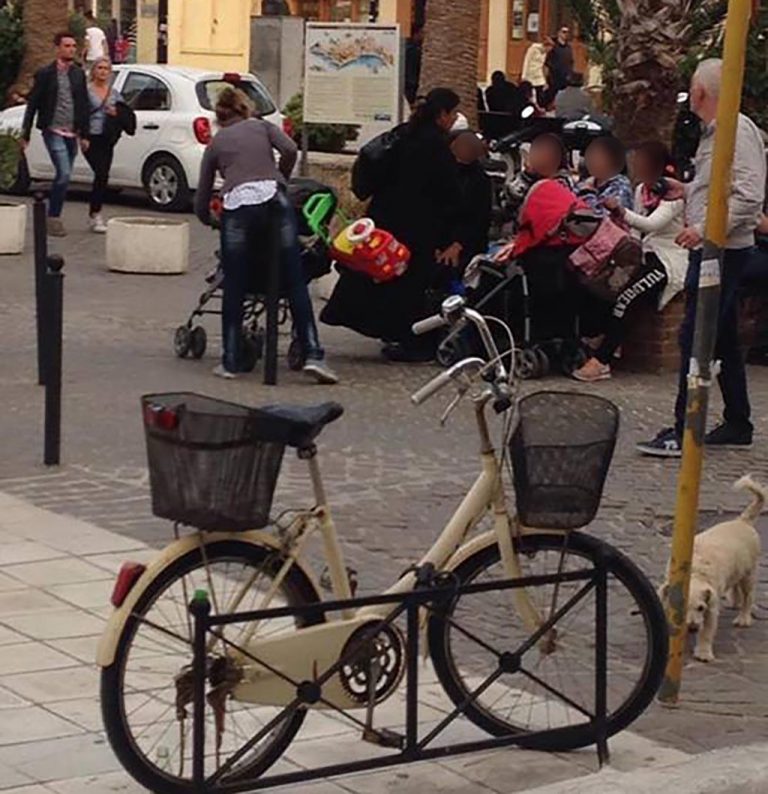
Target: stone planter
[[13, 228], [147, 245]]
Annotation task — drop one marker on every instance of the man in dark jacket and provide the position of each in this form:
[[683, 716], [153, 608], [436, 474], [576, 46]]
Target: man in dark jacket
[[559, 62], [59, 99]]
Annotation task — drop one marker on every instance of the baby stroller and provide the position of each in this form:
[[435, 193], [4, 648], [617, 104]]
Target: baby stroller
[[536, 291], [191, 338]]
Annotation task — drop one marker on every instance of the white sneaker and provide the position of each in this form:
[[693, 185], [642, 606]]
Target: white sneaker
[[221, 372], [97, 224], [320, 372]]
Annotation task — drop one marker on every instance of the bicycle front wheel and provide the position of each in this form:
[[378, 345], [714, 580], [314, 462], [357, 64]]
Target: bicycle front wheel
[[146, 693], [550, 699]]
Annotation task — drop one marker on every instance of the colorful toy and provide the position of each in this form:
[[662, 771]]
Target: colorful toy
[[364, 248]]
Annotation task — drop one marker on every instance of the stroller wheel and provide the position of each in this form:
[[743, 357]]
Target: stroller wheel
[[544, 363], [527, 364], [296, 358], [572, 357], [253, 349], [198, 341], [182, 341]]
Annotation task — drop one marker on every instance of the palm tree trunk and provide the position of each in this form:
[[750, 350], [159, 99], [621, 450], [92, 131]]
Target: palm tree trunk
[[451, 51], [650, 44], [43, 19]]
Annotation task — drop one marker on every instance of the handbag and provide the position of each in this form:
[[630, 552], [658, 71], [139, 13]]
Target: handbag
[[608, 261]]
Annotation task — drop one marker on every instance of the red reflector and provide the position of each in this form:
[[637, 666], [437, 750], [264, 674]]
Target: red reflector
[[288, 127], [202, 129], [157, 416], [126, 579]]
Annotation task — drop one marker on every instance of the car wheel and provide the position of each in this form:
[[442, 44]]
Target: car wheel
[[166, 184]]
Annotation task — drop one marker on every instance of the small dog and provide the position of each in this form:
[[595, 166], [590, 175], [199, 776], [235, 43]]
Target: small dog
[[724, 564]]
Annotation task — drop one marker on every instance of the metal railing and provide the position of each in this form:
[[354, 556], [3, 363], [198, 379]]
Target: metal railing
[[410, 746]]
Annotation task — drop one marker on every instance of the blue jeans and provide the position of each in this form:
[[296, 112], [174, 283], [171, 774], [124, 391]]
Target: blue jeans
[[62, 152], [733, 377], [245, 235]]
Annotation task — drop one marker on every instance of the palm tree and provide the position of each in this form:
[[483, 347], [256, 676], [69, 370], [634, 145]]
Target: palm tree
[[451, 51], [642, 45], [42, 19]]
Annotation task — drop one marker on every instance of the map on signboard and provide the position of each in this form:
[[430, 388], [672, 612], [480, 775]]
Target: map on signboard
[[352, 73], [350, 51]]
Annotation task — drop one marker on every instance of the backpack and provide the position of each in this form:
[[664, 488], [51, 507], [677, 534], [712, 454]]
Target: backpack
[[375, 161]]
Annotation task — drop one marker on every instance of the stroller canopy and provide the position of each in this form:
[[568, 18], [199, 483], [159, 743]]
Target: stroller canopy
[[543, 215]]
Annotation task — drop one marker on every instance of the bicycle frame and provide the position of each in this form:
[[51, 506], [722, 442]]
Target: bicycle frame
[[298, 654]]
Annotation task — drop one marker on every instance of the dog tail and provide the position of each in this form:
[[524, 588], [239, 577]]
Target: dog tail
[[760, 494]]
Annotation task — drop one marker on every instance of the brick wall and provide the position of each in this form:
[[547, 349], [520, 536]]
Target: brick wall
[[651, 341]]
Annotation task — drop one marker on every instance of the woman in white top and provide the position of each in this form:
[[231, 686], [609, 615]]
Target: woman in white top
[[658, 219], [533, 67]]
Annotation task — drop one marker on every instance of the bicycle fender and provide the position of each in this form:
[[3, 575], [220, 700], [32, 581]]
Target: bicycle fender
[[476, 544], [107, 649]]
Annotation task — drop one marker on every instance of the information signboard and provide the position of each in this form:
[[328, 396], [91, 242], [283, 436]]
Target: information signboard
[[352, 73]]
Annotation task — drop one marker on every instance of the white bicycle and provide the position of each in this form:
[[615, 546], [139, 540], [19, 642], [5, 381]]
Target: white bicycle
[[213, 467]]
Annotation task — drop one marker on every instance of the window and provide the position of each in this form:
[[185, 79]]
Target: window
[[144, 92], [209, 90]]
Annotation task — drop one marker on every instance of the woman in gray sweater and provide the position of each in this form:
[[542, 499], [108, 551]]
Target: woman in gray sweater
[[253, 197]]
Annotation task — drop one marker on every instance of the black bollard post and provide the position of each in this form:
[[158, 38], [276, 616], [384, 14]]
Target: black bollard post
[[41, 255], [54, 306], [273, 295]]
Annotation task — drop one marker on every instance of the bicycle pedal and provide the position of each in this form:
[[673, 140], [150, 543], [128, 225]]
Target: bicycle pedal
[[384, 738]]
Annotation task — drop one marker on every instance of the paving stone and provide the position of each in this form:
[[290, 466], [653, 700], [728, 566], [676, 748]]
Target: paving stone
[[31, 657], [67, 570], [26, 602], [87, 595], [60, 759], [26, 551], [53, 686], [33, 723], [56, 624]]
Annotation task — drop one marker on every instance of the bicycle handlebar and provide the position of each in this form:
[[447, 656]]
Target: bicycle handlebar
[[428, 325], [454, 312], [444, 378]]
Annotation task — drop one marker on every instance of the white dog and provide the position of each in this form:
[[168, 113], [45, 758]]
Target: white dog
[[724, 564]]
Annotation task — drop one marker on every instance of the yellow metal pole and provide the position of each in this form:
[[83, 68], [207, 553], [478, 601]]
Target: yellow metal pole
[[700, 373]]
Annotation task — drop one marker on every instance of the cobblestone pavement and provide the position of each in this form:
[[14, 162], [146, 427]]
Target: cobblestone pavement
[[394, 475]]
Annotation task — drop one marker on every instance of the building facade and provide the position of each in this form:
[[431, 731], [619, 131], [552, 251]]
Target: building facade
[[216, 33]]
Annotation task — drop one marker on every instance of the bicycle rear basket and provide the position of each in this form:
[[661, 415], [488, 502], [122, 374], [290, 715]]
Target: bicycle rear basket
[[561, 451], [211, 463]]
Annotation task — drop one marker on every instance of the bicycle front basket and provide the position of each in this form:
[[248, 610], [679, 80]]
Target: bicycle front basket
[[561, 451], [210, 466]]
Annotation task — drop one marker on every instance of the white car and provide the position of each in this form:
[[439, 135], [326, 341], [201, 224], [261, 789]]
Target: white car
[[174, 123]]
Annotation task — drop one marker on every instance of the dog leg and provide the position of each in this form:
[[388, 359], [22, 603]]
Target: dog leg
[[746, 588], [706, 636]]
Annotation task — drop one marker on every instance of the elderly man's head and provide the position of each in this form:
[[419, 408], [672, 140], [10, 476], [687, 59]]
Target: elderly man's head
[[705, 89]]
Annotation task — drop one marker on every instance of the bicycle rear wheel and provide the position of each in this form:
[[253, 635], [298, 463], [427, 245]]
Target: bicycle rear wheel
[[549, 701], [145, 693]]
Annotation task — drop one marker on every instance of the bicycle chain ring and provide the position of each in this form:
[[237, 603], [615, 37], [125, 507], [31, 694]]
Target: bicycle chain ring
[[368, 645]]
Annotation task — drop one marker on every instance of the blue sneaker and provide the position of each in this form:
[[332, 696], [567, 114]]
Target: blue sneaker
[[667, 444]]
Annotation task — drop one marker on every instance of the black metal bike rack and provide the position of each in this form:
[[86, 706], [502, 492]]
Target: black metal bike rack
[[413, 747]]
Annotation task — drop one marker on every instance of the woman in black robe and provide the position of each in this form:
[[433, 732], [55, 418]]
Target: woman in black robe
[[419, 202]]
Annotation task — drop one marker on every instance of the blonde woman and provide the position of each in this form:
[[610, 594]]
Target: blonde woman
[[103, 101]]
